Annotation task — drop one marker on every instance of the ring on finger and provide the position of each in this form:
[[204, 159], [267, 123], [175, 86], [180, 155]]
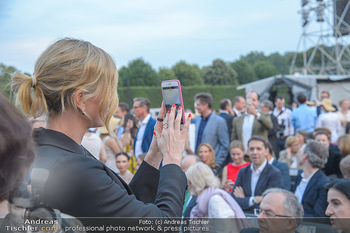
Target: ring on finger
[[165, 125]]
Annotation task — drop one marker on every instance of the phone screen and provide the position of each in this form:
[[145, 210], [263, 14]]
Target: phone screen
[[171, 95]]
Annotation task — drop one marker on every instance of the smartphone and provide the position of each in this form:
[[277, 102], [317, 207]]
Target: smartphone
[[171, 91]]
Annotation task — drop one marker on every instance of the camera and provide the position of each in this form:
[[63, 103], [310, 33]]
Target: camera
[[281, 128]]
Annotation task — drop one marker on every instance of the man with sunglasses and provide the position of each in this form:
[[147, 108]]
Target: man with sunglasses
[[279, 211]]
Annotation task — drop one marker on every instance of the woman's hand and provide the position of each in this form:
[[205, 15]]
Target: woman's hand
[[153, 156], [171, 139], [228, 185]]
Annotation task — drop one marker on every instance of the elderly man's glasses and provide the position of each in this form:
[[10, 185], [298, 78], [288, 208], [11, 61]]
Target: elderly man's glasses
[[257, 212]]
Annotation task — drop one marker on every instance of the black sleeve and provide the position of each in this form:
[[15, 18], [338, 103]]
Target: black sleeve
[[82, 188], [148, 192]]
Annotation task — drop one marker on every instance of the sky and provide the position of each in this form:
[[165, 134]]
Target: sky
[[161, 32]]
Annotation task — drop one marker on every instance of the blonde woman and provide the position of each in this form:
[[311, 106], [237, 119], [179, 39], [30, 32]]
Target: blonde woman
[[289, 155], [75, 83], [212, 201]]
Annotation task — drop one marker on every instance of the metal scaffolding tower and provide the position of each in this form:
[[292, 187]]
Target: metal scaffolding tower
[[323, 47]]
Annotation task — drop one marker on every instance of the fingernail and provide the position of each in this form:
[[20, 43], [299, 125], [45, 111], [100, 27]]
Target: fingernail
[[168, 111], [189, 115], [154, 132], [174, 105], [179, 107]]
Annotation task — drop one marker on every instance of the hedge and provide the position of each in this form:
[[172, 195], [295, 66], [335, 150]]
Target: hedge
[[154, 94]]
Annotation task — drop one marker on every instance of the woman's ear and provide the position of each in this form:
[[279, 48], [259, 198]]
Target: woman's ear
[[78, 101]]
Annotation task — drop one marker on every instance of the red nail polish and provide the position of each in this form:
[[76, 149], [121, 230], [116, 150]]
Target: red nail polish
[[154, 133], [168, 111], [179, 107], [189, 115], [174, 105]]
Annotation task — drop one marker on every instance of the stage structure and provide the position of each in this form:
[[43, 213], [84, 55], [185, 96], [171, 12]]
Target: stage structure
[[323, 47]]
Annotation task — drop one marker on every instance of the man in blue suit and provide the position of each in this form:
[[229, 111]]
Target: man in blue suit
[[210, 128], [253, 180], [310, 189], [144, 134], [283, 167]]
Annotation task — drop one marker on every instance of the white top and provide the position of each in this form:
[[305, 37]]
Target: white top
[[255, 179], [218, 208], [285, 116], [110, 160], [300, 190], [271, 161], [238, 113], [294, 163], [331, 121], [93, 144], [247, 129], [343, 117], [140, 135]]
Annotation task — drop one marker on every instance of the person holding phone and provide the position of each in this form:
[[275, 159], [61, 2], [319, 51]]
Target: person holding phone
[[75, 82], [252, 123]]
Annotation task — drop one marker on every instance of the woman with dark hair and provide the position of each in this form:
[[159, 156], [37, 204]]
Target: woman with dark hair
[[338, 209], [122, 161], [17, 150], [331, 168], [129, 132], [207, 155], [75, 83]]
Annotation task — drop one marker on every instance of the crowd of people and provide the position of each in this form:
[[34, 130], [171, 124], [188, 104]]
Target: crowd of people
[[103, 160]]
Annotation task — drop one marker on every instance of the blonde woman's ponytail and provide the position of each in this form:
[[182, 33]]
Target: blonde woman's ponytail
[[31, 101]]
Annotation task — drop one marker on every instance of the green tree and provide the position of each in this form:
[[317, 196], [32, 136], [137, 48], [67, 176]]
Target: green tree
[[219, 73], [188, 75], [245, 71], [139, 73], [254, 57], [166, 74], [280, 62], [264, 69], [5, 79]]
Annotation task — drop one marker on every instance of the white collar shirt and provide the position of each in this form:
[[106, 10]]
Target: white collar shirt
[[300, 190], [140, 134], [247, 128], [255, 176]]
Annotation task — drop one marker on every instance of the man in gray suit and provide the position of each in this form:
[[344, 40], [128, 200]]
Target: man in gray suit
[[210, 128]]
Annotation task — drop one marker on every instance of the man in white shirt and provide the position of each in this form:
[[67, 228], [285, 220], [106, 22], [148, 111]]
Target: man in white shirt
[[310, 183], [284, 118], [253, 180], [144, 135]]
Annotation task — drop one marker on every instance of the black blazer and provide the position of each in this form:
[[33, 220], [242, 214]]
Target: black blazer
[[81, 186], [315, 195], [284, 169], [270, 177]]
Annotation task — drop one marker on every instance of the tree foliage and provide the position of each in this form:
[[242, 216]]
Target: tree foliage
[[219, 73], [187, 74], [245, 71], [254, 57], [166, 74], [138, 73], [5, 79], [264, 69], [280, 62]]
